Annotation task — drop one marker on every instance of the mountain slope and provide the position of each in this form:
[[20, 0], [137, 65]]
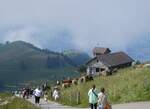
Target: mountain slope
[[23, 52], [21, 61], [76, 56]]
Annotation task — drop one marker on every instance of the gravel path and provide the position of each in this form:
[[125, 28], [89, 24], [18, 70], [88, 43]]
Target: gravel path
[[53, 105], [137, 105]]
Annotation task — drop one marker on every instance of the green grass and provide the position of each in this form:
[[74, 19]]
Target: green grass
[[14, 102], [127, 85]]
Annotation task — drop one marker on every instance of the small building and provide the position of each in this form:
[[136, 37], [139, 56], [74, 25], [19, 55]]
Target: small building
[[97, 51], [108, 62]]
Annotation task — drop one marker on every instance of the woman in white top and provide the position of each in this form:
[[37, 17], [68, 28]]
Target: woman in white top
[[37, 93], [56, 94], [102, 99]]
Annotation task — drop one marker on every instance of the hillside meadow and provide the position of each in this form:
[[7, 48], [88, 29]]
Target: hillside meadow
[[7, 101], [127, 85]]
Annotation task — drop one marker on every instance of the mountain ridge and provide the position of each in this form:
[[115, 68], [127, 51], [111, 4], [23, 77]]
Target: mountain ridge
[[22, 61]]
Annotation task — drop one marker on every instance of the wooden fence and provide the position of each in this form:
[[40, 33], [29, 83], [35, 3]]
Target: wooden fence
[[72, 98]]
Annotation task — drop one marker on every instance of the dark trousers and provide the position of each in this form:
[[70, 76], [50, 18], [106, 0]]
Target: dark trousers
[[37, 99], [93, 106]]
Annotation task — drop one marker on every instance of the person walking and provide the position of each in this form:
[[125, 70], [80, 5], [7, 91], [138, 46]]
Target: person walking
[[46, 96], [56, 94], [27, 92], [93, 97], [37, 93], [102, 100], [24, 92]]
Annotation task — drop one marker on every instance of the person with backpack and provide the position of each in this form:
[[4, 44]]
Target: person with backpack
[[102, 100], [93, 97]]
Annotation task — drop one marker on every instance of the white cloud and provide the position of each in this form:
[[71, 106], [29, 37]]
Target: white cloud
[[110, 23], [25, 34], [55, 39]]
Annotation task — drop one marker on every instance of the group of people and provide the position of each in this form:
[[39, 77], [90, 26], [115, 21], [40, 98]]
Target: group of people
[[38, 93], [24, 92], [27, 92], [95, 99], [98, 99]]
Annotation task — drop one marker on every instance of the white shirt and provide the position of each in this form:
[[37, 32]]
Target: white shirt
[[37, 92], [102, 99], [55, 93]]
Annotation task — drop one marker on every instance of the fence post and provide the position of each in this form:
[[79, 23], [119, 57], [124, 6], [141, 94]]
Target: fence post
[[78, 97], [70, 98]]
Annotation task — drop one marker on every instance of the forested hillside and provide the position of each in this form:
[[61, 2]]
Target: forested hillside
[[21, 61]]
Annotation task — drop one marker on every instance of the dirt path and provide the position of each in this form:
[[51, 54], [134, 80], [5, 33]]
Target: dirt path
[[137, 105], [53, 105]]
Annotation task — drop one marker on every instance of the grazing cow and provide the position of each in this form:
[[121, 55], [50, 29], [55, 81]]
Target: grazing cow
[[67, 81], [85, 78], [66, 85], [89, 78], [81, 80], [75, 81]]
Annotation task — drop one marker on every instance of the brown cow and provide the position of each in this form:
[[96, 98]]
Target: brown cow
[[67, 81], [66, 85], [75, 81]]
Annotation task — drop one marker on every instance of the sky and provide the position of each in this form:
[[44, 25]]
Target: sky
[[75, 24]]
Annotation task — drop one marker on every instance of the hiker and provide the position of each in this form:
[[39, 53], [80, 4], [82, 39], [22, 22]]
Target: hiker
[[24, 92], [27, 92], [31, 92], [37, 93], [56, 94], [17, 93], [46, 96], [102, 100], [93, 97]]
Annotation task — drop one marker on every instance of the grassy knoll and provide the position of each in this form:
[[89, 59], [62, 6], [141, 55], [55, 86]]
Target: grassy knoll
[[7, 101], [127, 85]]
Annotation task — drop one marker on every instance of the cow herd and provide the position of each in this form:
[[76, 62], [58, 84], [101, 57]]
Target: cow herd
[[69, 82]]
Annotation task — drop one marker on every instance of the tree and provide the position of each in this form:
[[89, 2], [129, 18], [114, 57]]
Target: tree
[[48, 65], [138, 62], [82, 68]]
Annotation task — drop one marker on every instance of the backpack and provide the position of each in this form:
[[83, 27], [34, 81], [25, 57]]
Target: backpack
[[94, 93]]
